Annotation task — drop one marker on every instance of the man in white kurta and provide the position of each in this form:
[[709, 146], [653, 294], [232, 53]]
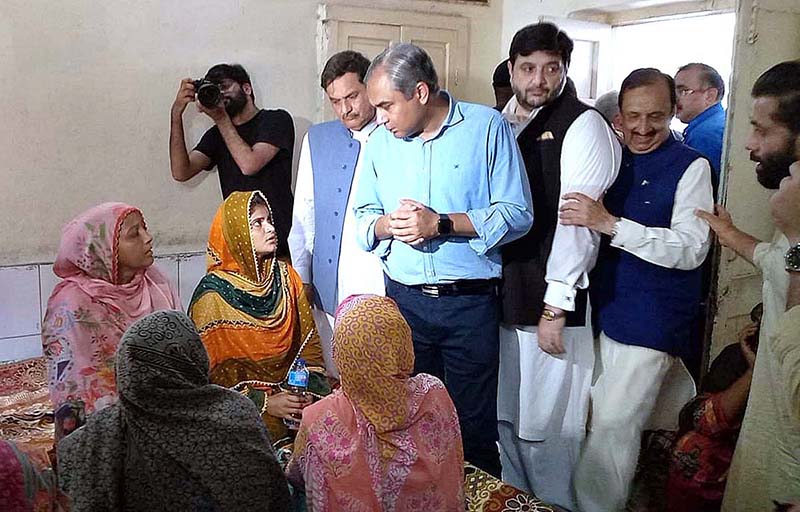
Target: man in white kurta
[[766, 463], [543, 390], [343, 268]]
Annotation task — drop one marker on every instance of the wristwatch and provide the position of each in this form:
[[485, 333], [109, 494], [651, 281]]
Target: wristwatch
[[792, 259], [445, 225], [550, 315]]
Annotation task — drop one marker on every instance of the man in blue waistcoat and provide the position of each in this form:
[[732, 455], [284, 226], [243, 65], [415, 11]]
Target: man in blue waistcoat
[[646, 287], [323, 237], [700, 90]]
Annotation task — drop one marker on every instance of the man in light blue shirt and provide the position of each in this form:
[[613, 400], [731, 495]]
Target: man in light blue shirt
[[442, 188], [700, 90]]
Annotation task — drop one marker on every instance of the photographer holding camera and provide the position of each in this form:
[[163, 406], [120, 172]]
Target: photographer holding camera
[[251, 147]]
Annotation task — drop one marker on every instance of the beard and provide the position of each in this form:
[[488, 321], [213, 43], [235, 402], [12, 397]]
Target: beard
[[773, 168], [236, 104]]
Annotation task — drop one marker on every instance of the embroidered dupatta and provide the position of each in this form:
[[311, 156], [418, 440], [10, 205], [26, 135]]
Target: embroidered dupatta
[[253, 317]]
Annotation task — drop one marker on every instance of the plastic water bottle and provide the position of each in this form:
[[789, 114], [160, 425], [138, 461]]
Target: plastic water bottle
[[297, 383]]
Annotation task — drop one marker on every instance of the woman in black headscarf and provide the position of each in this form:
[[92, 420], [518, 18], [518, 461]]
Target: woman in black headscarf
[[173, 441]]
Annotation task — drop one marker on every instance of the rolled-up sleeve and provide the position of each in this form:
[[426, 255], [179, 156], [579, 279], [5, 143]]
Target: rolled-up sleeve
[[510, 212], [368, 208]]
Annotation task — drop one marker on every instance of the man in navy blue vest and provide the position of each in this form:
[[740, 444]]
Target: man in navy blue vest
[[546, 342], [646, 287], [323, 239]]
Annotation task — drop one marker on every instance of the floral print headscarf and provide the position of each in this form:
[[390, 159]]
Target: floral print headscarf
[[89, 309]]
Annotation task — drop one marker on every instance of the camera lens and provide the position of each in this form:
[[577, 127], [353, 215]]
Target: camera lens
[[208, 94]]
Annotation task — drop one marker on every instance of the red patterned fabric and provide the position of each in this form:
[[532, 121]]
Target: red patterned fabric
[[702, 457], [12, 481]]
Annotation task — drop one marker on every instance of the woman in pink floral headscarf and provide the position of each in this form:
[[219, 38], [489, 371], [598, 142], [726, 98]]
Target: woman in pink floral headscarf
[[385, 440], [109, 281]]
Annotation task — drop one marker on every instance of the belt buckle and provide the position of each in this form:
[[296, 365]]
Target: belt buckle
[[430, 290]]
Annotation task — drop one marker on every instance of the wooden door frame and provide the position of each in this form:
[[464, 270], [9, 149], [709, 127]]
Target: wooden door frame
[[330, 16]]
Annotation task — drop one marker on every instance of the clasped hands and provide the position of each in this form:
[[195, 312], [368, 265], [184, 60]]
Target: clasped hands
[[412, 223]]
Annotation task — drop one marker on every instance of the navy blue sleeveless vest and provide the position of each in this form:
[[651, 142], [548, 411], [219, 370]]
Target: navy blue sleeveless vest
[[639, 303], [334, 154]]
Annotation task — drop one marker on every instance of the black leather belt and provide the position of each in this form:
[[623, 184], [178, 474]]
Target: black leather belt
[[463, 287]]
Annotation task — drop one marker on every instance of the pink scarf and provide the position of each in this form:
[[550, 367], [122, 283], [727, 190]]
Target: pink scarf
[[89, 310]]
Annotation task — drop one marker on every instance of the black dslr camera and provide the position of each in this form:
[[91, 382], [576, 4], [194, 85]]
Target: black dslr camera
[[208, 93]]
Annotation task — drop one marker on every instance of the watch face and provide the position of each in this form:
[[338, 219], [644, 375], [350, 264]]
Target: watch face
[[793, 259], [445, 225]]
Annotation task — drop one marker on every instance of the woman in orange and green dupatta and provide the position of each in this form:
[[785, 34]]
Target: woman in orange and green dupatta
[[252, 314]]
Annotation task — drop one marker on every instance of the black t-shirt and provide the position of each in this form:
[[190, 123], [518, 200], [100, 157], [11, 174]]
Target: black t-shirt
[[274, 179]]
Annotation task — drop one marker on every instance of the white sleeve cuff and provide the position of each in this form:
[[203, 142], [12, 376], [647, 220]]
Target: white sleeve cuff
[[560, 295], [627, 231]]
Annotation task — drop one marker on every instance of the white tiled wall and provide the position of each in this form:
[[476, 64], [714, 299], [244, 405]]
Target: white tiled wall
[[24, 291]]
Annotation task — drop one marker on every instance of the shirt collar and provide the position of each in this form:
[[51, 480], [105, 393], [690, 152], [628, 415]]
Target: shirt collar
[[711, 111], [364, 133], [454, 116], [519, 123]]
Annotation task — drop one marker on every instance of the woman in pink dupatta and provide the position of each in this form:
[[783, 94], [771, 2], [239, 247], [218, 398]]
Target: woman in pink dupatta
[[384, 440], [106, 262]]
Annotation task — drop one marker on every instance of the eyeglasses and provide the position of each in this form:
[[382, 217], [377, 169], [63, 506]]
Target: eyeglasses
[[683, 91]]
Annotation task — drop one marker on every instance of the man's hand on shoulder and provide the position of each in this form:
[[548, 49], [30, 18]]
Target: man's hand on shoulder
[[185, 96], [721, 223], [729, 235], [581, 210]]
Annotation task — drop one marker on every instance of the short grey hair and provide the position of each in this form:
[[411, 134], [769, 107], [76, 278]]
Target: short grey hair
[[608, 105], [406, 65]]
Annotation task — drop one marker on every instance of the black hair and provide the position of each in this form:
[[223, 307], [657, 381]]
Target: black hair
[[342, 63], [648, 76], [234, 72], [541, 37], [501, 77], [782, 82]]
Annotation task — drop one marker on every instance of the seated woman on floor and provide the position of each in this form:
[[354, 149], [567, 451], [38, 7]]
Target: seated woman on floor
[[173, 441], [709, 426], [108, 282], [384, 440], [251, 311]]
